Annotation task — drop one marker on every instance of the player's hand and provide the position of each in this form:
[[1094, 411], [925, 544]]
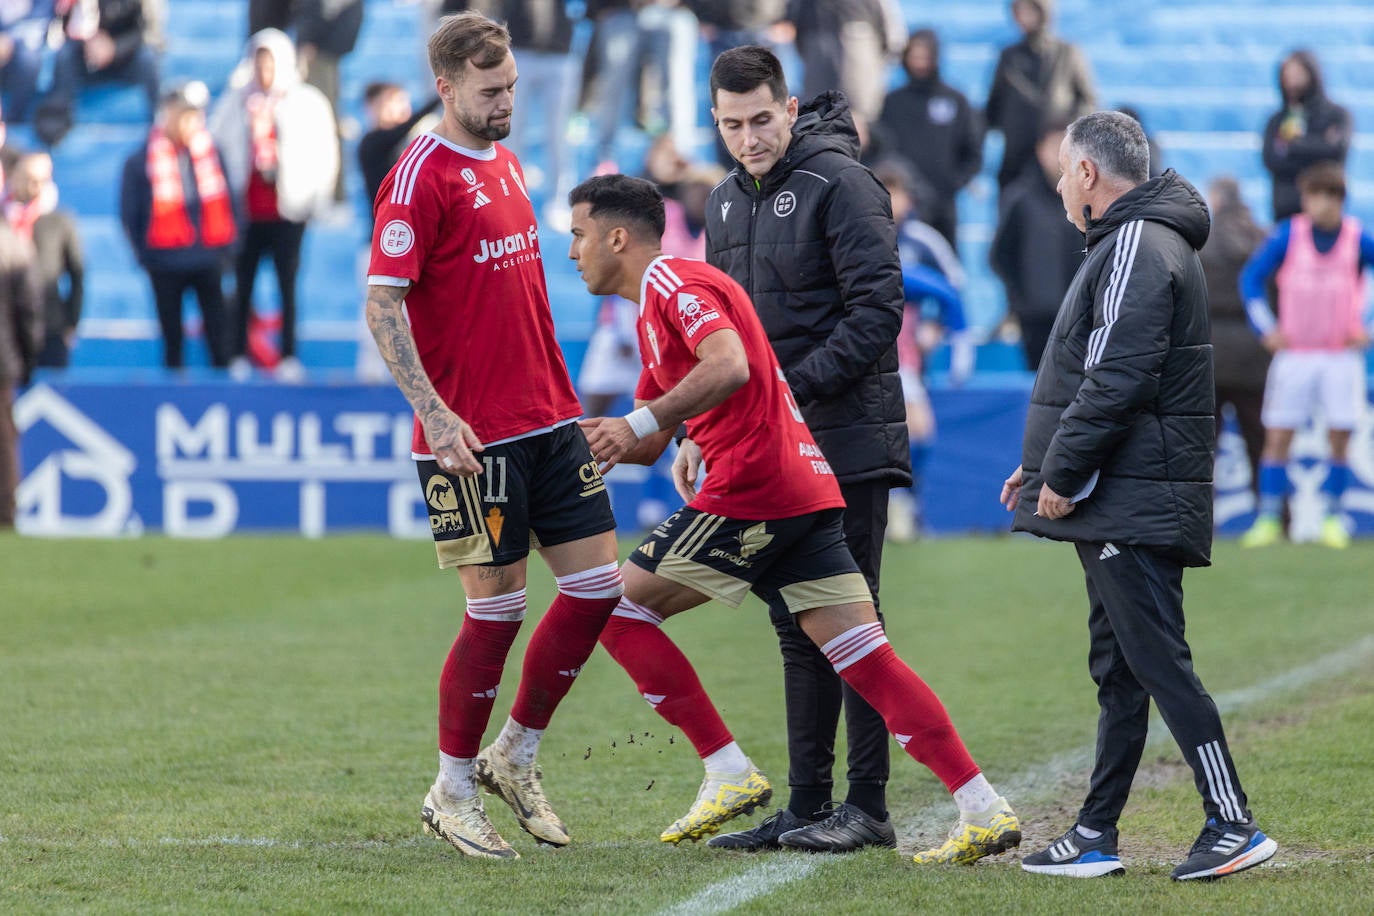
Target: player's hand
[[686, 468], [1274, 341], [1052, 505], [610, 438], [1011, 489], [452, 441]]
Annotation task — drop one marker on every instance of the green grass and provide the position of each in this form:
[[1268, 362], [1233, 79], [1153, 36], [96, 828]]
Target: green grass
[[249, 725]]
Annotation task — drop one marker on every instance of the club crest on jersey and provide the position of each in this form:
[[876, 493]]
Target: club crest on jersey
[[397, 238], [693, 313]]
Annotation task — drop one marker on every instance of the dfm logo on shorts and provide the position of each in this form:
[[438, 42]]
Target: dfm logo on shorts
[[443, 503], [513, 244]]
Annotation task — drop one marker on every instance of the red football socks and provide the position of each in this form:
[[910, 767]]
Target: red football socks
[[663, 676], [563, 642], [913, 713], [472, 672]]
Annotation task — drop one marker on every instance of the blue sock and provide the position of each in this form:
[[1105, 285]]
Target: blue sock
[[1273, 487], [1333, 487]]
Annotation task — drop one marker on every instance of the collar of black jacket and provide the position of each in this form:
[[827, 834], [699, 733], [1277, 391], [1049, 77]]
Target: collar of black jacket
[[1169, 199]]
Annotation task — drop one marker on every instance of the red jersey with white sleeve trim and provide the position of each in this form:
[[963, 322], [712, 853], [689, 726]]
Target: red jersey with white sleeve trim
[[761, 462], [461, 230]]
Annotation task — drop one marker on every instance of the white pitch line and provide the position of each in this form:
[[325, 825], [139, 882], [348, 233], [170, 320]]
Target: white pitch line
[[754, 883], [1037, 782]]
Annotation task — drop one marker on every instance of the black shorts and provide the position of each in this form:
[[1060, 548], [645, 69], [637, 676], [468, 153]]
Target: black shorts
[[804, 559], [540, 490]]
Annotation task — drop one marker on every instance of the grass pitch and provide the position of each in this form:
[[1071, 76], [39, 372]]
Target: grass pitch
[[249, 725]]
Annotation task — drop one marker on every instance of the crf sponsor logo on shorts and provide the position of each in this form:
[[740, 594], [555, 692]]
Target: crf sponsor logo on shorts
[[592, 482], [397, 238], [442, 498]]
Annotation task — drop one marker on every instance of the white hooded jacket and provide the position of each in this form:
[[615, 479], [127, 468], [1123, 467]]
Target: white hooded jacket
[[307, 151]]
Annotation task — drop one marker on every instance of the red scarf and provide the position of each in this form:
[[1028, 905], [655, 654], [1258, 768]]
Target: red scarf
[[169, 225]]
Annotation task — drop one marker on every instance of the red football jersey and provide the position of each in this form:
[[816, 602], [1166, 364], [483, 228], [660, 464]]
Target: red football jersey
[[458, 225], [761, 462]]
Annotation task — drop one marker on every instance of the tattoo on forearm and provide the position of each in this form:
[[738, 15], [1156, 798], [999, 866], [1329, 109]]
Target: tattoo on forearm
[[397, 346]]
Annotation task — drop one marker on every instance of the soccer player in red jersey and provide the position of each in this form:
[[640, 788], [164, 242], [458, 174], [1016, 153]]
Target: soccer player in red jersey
[[767, 519], [457, 303]]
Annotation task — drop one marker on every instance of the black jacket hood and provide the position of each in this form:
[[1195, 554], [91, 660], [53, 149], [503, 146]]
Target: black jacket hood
[[1169, 200], [824, 124], [1316, 90]]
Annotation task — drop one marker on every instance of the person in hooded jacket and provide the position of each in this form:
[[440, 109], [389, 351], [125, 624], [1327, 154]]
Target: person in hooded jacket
[[1041, 78], [1117, 460], [1308, 128], [933, 127], [808, 232], [277, 136]]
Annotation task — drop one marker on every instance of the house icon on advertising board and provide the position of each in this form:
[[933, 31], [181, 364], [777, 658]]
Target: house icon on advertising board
[[94, 459]]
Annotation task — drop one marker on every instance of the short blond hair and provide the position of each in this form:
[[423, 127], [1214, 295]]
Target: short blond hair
[[463, 37]]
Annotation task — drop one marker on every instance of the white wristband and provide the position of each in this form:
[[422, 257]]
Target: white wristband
[[642, 422]]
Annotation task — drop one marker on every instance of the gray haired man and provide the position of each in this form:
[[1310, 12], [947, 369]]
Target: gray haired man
[[1117, 459]]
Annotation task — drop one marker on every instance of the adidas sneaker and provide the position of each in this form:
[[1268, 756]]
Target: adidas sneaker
[[1075, 856], [1224, 848]]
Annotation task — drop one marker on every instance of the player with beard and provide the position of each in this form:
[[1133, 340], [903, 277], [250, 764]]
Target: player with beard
[[502, 461]]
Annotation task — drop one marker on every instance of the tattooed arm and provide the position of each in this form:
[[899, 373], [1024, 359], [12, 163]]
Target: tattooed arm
[[450, 438]]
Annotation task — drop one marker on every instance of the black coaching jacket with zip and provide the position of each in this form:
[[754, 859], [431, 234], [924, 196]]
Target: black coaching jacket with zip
[[814, 245], [1124, 389]]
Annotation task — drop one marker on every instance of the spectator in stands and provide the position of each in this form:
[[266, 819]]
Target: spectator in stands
[[1035, 251], [541, 33], [933, 128], [932, 278], [21, 335], [178, 213], [392, 125], [1307, 129], [269, 14], [23, 41], [277, 135], [119, 45], [31, 210], [1317, 258], [649, 45], [326, 32], [1240, 361], [847, 45], [1040, 79]]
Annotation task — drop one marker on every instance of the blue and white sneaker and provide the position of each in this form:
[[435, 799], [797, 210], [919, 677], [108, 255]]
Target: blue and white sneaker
[[1075, 856], [1224, 848]]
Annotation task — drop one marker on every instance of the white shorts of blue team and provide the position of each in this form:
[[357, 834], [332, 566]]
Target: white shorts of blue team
[[1303, 384]]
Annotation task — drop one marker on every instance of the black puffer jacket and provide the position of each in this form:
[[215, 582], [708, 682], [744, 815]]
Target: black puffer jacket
[[814, 246], [1124, 389]]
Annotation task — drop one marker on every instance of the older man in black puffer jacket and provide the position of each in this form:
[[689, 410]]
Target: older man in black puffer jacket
[[1117, 459]]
